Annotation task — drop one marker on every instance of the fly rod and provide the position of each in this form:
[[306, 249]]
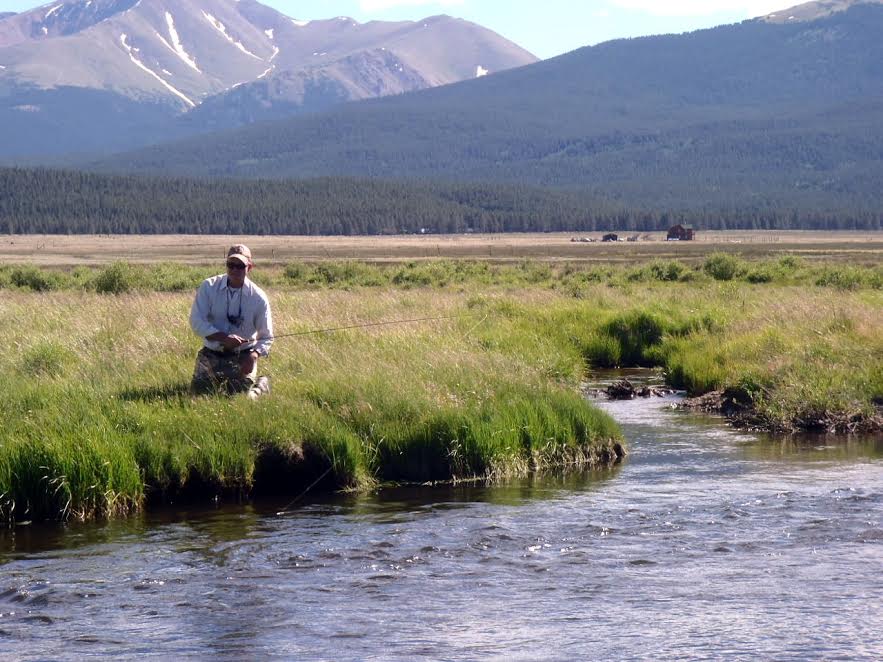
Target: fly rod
[[370, 324]]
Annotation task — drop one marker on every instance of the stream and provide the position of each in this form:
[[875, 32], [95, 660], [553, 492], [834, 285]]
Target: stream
[[704, 543]]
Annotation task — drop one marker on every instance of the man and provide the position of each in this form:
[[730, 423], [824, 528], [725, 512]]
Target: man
[[232, 315]]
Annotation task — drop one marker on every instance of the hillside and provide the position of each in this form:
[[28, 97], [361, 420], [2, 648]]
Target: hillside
[[102, 75], [759, 112]]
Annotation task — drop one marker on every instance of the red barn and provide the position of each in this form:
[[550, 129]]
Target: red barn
[[681, 233]]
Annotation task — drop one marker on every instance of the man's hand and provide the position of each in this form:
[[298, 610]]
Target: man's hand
[[247, 361], [232, 342]]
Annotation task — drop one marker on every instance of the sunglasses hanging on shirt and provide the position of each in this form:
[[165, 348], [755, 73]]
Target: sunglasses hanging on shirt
[[235, 320]]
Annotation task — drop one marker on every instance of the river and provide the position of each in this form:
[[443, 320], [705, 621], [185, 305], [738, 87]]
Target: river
[[705, 543]]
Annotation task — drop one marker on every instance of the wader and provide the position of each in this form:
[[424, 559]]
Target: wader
[[220, 372]]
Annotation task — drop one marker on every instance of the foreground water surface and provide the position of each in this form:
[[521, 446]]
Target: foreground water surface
[[704, 543]]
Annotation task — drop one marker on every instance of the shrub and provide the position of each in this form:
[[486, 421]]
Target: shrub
[[295, 272], [341, 274], [419, 275], [173, 278], [789, 263], [841, 277], [721, 266], [534, 272], [668, 271], [118, 278], [761, 274], [32, 278]]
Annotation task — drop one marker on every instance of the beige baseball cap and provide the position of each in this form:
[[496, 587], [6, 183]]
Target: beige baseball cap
[[240, 252]]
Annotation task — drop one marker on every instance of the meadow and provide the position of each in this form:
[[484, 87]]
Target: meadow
[[95, 250], [98, 419]]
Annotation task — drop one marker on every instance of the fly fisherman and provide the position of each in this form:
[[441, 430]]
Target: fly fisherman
[[232, 315]]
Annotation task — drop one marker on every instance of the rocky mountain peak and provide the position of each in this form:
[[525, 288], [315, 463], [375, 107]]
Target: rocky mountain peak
[[811, 11], [245, 58]]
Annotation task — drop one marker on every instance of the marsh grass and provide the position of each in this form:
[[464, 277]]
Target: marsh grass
[[99, 421]]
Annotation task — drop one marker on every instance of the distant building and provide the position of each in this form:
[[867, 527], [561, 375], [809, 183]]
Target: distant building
[[681, 233], [610, 237]]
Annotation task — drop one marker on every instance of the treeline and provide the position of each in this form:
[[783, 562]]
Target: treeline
[[40, 201]]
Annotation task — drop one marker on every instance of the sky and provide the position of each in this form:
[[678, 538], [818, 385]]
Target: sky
[[544, 27]]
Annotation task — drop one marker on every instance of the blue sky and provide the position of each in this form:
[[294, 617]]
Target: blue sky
[[546, 28]]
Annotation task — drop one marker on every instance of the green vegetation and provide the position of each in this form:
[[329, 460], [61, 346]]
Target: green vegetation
[[571, 278], [98, 417]]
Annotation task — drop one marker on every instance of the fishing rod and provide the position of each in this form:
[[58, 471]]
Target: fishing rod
[[370, 324], [237, 350]]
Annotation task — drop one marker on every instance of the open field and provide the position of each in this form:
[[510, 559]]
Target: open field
[[65, 251]]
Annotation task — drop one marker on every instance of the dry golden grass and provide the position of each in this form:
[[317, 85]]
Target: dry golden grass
[[64, 251]]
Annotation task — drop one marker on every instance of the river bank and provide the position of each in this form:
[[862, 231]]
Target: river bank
[[99, 420], [738, 406]]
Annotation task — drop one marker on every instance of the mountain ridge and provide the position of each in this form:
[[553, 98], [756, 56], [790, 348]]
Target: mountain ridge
[[180, 54], [751, 120], [812, 11]]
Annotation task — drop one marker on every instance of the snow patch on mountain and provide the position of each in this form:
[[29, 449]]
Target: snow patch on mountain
[[269, 33], [179, 48], [480, 71], [52, 11], [220, 27], [144, 67], [300, 24]]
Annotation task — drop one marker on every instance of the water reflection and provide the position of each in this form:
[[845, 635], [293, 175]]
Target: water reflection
[[816, 447]]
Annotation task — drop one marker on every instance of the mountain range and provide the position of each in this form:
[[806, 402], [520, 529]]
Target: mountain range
[[99, 75], [765, 112], [768, 122]]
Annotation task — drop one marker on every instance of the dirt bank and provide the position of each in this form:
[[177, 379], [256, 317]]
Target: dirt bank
[[738, 407]]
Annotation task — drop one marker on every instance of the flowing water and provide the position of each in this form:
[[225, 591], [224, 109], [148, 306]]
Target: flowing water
[[704, 543]]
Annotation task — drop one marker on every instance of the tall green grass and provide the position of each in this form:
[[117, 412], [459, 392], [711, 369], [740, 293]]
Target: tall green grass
[[100, 421]]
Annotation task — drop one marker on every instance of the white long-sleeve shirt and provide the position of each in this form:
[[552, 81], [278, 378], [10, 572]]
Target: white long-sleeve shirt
[[215, 302]]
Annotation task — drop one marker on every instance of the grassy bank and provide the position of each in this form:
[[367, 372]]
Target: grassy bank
[[98, 419]]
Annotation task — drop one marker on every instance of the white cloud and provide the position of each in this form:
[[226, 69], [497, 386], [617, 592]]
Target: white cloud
[[750, 8], [380, 5]]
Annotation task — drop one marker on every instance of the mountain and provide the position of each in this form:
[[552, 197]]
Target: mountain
[[756, 113], [93, 75], [812, 11]]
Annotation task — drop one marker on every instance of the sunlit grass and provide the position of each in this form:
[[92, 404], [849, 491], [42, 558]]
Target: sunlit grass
[[99, 420]]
